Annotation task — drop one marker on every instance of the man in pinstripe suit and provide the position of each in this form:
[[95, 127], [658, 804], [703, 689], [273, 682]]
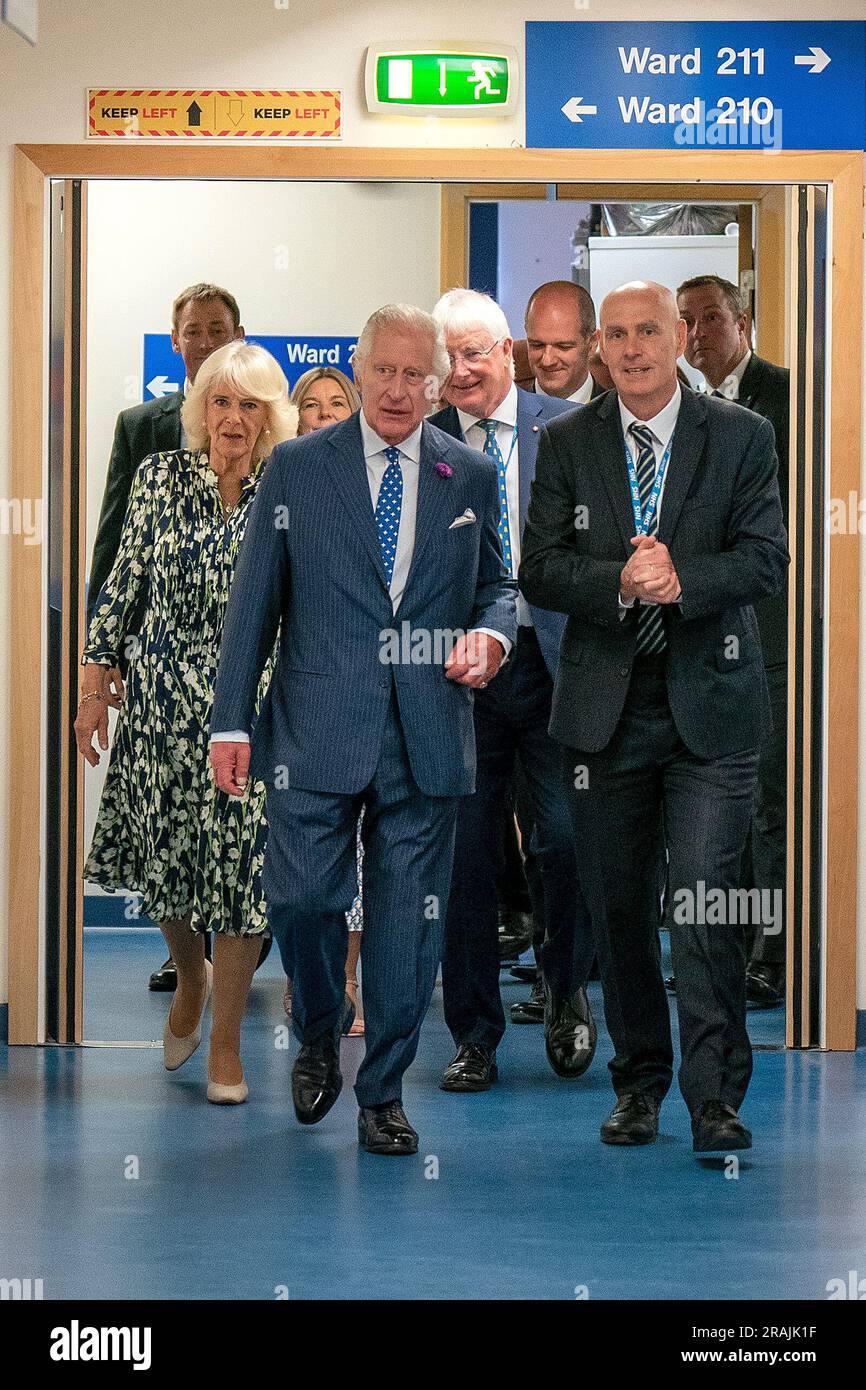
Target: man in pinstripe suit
[[371, 545]]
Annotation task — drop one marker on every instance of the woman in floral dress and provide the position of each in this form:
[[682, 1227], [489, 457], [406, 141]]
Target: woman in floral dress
[[163, 830]]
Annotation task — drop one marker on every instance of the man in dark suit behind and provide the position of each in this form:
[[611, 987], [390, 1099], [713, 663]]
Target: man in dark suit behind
[[371, 547], [655, 524], [493, 415], [203, 318], [717, 345], [560, 334]]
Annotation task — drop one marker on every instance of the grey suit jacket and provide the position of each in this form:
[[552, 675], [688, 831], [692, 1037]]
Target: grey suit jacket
[[310, 569], [721, 518]]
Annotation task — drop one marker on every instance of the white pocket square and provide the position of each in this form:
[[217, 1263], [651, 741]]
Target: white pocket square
[[465, 520]]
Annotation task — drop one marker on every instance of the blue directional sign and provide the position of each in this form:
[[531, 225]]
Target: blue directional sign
[[798, 85], [164, 369]]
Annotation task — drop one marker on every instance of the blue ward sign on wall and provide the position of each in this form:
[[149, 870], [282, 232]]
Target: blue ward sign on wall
[[164, 370], [751, 85]]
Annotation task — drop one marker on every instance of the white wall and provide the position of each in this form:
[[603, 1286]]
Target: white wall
[[299, 258], [178, 43]]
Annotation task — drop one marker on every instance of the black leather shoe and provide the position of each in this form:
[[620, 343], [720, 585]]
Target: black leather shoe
[[530, 1010], [633, 1120], [765, 983], [472, 1068], [165, 978], [570, 1033], [384, 1129], [717, 1128], [527, 974], [316, 1078], [515, 933]]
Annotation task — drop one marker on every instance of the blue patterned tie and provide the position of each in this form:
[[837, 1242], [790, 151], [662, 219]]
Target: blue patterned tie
[[492, 449], [388, 506], [650, 621]]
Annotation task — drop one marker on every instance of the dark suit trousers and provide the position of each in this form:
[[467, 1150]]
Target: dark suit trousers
[[766, 857], [511, 719], [310, 881], [645, 790]]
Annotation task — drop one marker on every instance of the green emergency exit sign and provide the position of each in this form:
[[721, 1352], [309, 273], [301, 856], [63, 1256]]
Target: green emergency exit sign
[[442, 81]]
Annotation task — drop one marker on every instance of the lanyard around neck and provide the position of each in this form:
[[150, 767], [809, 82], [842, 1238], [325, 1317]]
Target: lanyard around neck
[[643, 521]]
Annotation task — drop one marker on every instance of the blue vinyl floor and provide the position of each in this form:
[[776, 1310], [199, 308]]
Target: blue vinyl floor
[[243, 1202]]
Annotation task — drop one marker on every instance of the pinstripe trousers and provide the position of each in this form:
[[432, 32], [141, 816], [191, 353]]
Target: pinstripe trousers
[[310, 881]]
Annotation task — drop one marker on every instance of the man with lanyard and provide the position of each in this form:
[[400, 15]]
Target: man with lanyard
[[492, 415], [661, 699]]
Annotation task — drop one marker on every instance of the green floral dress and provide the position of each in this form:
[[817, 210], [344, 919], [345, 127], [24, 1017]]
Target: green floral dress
[[164, 830]]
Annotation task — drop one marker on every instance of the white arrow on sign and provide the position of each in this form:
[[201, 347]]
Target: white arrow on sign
[[815, 60], [161, 386], [575, 110]]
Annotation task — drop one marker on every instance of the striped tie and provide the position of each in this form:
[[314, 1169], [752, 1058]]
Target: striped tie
[[492, 449], [650, 620]]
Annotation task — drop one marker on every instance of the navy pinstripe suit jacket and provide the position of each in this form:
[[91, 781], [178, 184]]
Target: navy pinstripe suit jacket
[[310, 569]]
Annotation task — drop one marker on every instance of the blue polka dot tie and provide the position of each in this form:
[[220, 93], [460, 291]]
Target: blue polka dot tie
[[492, 449], [388, 506]]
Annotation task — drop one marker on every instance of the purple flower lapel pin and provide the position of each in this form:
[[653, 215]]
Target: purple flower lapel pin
[[444, 469]]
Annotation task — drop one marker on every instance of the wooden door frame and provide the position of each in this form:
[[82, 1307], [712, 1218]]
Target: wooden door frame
[[739, 174]]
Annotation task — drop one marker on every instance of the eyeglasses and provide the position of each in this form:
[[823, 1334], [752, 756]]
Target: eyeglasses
[[472, 356]]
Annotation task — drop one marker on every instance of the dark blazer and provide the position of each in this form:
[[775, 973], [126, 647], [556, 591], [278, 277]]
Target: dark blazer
[[313, 571], [533, 412], [765, 388], [721, 518], [152, 428]]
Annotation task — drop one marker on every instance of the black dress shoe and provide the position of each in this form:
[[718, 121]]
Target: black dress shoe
[[472, 1068], [527, 974], [633, 1120], [316, 1078], [765, 983], [570, 1033], [530, 1010], [515, 933], [165, 978], [717, 1128], [384, 1129]]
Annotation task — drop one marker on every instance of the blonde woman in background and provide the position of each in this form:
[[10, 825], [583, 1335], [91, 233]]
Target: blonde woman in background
[[163, 829], [323, 396]]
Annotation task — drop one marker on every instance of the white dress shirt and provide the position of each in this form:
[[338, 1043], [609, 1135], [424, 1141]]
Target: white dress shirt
[[475, 435], [730, 387], [662, 427], [580, 397]]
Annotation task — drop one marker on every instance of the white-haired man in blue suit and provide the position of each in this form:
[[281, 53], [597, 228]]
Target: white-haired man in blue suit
[[372, 550]]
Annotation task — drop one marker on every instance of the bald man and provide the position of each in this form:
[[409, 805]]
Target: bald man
[[560, 333], [655, 524]]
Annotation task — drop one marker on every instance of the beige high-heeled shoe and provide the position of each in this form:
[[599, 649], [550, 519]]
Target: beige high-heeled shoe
[[176, 1051], [218, 1094]]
